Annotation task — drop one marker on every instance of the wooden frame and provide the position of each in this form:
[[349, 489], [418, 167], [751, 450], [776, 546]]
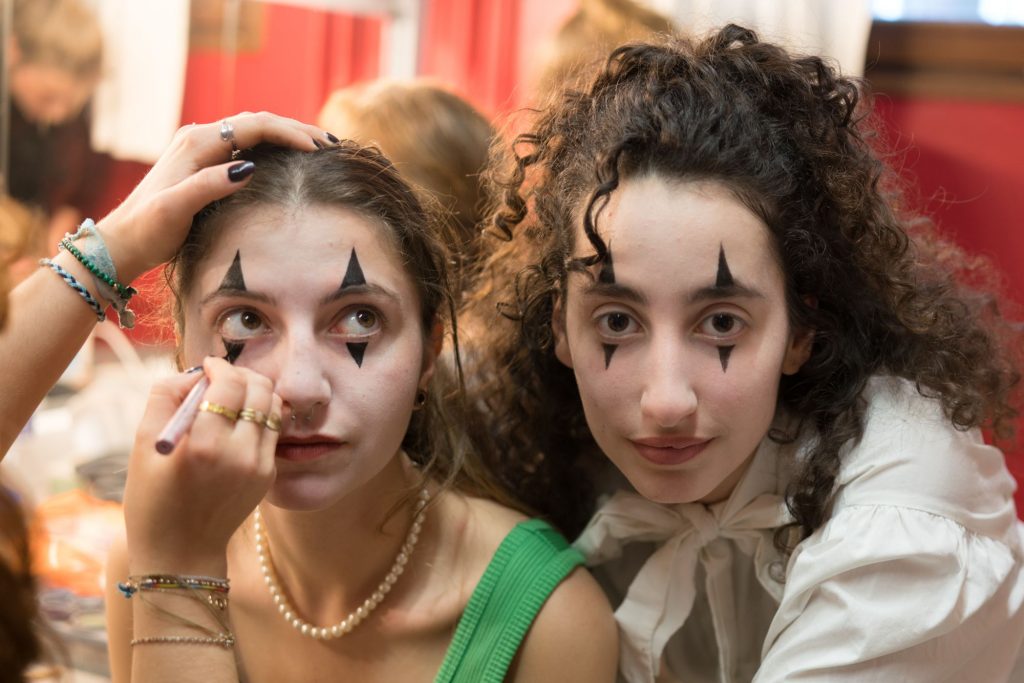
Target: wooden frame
[[946, 60]]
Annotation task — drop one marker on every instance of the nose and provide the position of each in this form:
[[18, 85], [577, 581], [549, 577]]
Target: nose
[[669, 396], [300, 378]]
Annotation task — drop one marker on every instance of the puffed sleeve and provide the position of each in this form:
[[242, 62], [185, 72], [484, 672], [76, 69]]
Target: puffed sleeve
[[917, 575], [887, 594]]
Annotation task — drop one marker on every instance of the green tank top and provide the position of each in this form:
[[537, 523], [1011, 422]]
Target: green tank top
[[530, 563]]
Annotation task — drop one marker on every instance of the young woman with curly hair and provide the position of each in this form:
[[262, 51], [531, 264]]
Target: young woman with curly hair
[[707, 278]]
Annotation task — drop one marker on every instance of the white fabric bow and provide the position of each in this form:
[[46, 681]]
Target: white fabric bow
[[661, 596]]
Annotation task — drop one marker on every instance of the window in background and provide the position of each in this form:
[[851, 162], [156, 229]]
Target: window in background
[[1004, 12]]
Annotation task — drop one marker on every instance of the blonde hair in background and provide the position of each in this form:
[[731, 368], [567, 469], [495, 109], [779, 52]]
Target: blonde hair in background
[[588, 36], [59, 33], [437, 140], [17, 222]]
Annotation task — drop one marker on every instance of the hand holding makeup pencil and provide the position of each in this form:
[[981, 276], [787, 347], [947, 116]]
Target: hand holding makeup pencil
[[182, 508]]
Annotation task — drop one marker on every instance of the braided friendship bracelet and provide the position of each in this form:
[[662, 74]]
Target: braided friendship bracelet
[[172, 581], [75, 285]]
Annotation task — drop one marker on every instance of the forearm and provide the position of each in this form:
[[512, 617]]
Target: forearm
[[47, 324]]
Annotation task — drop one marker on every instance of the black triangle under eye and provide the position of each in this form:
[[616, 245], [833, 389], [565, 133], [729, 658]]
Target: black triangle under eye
[[354, 273], [357, 349], [609, 349], [234, 350], [723, 355]]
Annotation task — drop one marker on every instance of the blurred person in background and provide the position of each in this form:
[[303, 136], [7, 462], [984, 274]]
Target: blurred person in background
[[54, 61], [589, 35]]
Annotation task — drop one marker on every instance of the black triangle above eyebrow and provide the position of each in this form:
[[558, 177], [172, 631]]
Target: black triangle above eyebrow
[[607, 272], [354, 273], [233, 279], [723, 278]]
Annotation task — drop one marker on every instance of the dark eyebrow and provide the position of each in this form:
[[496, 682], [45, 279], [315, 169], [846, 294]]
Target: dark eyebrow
[[233, 293], [614, 290], [731, 291], [365, 288]]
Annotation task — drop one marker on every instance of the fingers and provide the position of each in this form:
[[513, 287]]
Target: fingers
[[251, 433], [187, 197], [248, 130], [165, 397]]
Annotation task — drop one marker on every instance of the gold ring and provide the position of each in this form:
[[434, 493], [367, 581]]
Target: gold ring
[[257, 416], [210, 407], [273, 423]]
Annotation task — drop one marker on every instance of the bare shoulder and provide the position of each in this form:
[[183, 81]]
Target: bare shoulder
[[574, 638], [483, 523]]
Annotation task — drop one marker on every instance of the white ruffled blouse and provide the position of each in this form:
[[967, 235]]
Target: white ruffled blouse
[[916, 575]]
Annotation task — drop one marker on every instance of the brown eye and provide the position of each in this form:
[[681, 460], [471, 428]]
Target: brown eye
[[366, 318], [723, 323], [618, 322], [241, 324], [722, 326], [358, 322], [250, 320]]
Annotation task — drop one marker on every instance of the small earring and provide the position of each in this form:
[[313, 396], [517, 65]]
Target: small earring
[[421, 399]]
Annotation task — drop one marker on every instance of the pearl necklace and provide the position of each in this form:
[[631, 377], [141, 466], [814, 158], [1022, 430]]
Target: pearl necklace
[[359, 615]]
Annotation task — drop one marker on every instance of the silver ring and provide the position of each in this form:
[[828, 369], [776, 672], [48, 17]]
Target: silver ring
[[227, 134]]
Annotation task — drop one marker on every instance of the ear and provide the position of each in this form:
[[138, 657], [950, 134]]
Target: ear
[[798, 351], [431, 350], [562, 352]]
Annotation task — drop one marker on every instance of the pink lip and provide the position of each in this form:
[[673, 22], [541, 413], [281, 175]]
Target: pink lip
[[669, 450], [305, 449]]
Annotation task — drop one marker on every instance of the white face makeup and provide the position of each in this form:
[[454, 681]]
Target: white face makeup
[[327, 312], [679, 348]]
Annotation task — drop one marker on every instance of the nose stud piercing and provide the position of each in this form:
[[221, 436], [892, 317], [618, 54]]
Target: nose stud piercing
[[308, 417]]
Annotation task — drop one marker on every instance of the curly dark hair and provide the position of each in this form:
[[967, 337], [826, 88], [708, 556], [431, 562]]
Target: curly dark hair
[[792, 140]]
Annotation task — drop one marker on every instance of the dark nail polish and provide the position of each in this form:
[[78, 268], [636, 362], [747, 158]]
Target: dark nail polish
[[319, 145], [195, 369], [331, 137], [241, 171]]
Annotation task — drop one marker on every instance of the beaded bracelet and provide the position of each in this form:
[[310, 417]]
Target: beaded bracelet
[[75, 285], [123, 291], [224, 640], [171, 582], [215, 601]]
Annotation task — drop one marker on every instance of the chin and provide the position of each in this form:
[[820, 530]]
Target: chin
[[667, 488], [302, 494]]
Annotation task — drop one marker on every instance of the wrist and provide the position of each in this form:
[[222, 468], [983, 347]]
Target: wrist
[[142, 564], [128, 261]]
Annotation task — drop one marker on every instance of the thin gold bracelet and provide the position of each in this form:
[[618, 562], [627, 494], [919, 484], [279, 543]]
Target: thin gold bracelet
[[224, 640]]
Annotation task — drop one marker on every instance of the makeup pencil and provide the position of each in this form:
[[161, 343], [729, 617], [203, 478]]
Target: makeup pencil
[[186, 413]]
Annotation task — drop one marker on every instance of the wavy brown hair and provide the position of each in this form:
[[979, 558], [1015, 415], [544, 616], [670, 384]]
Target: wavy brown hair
[[791, 139]]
